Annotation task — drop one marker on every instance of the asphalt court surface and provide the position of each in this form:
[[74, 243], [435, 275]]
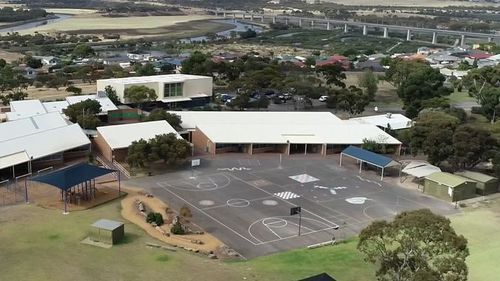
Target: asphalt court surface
[[246, 202]]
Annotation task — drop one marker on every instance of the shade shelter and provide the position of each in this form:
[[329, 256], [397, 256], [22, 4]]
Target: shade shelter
[[372, 158], [107, 231], [76, 181], [485, 184], [418, 170]]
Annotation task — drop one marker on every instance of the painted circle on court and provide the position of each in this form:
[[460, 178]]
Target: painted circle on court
[[238, 203], [206, 185], [270, 202], [206, 203], [275, 222]]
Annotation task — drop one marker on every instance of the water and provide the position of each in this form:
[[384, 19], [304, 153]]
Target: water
[[238, 26], [17, 28]]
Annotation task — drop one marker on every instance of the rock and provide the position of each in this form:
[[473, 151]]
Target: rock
[[212, 256]]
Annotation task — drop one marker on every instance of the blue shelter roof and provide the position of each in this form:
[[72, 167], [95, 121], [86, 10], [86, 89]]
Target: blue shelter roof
[[369, 157], [73, 175]]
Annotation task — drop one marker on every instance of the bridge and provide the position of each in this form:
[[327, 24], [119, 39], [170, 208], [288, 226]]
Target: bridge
[[329, 24]]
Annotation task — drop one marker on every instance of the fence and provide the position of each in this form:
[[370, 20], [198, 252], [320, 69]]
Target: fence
[[16, 190]]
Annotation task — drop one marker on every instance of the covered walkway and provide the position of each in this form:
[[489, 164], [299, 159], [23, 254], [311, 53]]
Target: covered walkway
[[371, 158], [76, 182]]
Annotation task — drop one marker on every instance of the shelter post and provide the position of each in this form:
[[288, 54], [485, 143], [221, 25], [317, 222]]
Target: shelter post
[[340, 164], [119, 183], [360, 165], [382, 174]]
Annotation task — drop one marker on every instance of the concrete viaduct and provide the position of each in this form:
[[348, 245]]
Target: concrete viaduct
[[328, 24]]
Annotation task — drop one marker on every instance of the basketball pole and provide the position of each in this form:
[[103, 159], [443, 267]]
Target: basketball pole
[[300, 220]]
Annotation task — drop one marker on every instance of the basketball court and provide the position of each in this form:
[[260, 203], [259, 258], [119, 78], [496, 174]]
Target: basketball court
[[246, 202]]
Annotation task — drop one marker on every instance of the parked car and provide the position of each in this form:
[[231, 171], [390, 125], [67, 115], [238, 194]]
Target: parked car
[[286, 96], [323, 98]]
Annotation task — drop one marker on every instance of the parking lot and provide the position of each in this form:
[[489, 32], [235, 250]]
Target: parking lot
[[246, 202]]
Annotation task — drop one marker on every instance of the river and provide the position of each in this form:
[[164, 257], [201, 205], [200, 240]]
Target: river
[[17, 28]]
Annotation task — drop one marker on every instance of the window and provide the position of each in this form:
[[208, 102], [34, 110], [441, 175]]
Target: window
[[173, 90]]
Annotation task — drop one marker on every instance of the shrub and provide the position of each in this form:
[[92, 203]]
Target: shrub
[[177, 228], [38, 84], [185, 212], [477, 110], [154, 217]]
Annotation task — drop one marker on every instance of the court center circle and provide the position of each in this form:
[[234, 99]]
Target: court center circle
[[238, 203], [206, 185], [270, 202], [206, 203], [275, 222]]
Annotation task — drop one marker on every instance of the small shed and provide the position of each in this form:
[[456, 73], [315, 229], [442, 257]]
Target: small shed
[[485, 184], [107, 231], [449, 187], [319, 277]]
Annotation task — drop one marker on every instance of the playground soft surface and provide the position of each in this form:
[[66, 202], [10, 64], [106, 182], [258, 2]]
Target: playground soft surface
[[40, 244]]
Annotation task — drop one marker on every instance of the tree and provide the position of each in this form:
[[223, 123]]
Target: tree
[[169, 148], [310, 61], [198, 64], [138, 151], [86, 107], [34, 63], [431, 134], [241, 102], [352, 99], [74, 90], [333, 73], [416, 245], [12, 85], [369, 81], [87, 121], [111, 93], [422, 84], [483, 84], [160, 114], [83, 50], [471, 146], [140, 94], [249, 33], [145, 70], [399, 70]]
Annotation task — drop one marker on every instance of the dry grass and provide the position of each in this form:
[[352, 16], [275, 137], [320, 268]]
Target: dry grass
[[71, 11], [408, 3], [51, 94], [10, 56], [97, 22]]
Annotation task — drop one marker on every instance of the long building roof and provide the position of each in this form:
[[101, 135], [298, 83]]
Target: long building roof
[[281, 127], [37, 137], [168, 78], [122, 136]]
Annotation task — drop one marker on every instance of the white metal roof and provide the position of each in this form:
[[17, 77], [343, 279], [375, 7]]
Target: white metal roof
[[55, 106], [44, 143], [420, 169], [395, 121], [14, 159], [106, 103], [192, 119], [25, 108], [280, 127], [31, 125], [169, 78], [122, 136]]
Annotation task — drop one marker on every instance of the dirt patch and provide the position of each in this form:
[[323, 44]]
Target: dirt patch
[[10, 56], [47, 196], [131, 213], [51, 94]]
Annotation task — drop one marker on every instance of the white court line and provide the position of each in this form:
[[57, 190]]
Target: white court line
[[208, 215], [289, 203], [195, 188], [225, 205], [294, 236], [273, 231]]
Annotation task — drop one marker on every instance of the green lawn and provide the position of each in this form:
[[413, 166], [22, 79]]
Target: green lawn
[[481, 227], [42, 244], [458, 97], [342, 261]]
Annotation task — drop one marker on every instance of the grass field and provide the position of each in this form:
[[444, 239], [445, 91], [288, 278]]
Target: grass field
[[40, 244], [481, 226], [458, 97]]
